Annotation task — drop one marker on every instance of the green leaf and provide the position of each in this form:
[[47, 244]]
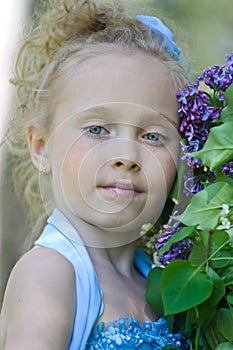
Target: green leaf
[[182, 321], [183, 286], [198, 253], [199, 248], [170, 322], [225, 346], [230, 298], [170, 347], [222, 258], [220, 176], [226, 115], [228, 96], [224, 323], [230, 233], [227, 275], [178, 185], [218, 148], [207, 309], [211, 242], [153, 293], [206, 206], [178, 236], [218, 238]]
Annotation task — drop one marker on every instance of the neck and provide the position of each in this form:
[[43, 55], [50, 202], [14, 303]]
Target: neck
[[114, 247], [98, 237], [120, 259]]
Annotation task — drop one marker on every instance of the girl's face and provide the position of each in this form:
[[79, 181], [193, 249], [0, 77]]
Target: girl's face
[[114, 143]]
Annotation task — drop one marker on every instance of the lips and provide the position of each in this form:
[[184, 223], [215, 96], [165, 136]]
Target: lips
[[125, 189]]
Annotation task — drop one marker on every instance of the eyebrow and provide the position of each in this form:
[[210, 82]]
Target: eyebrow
[[106, 108]]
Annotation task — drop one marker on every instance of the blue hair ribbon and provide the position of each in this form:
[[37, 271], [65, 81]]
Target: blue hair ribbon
[[157, 28]]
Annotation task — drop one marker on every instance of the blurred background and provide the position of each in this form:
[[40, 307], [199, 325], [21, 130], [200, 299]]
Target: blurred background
[[205, 31], [204, 26]]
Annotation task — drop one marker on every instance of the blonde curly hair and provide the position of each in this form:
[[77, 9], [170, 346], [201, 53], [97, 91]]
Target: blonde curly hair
[[68, 30]]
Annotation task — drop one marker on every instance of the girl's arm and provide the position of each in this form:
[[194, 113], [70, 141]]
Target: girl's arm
[[39, 305]]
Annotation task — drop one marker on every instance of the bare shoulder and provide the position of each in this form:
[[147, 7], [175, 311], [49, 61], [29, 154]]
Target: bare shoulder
[[39, 302]]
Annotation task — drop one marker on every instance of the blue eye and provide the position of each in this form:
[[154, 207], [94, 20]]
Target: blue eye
[[96, 130], [152, 136]]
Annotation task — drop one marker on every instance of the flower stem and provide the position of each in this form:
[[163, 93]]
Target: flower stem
[[208, 248], [215, 340]]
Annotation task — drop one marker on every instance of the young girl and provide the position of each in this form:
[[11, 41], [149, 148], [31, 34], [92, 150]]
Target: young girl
[[98, 112]]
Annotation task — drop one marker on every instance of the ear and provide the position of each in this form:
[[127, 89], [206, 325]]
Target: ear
[[37, 147]]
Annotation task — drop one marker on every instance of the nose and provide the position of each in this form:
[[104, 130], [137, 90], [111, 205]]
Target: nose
[[125, 164]]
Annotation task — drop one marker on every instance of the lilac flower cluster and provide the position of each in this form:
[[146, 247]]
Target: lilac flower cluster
[[227, 169], [197, 116], [178, 250], [199, 111], [219, 78], [193, 183]]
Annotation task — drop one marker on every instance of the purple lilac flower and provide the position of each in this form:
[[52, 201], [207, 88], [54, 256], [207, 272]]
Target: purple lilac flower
[[197, 108], [230, 59], [192, 146], [214, 77], [219, 77], [229, 69], [198, 112], [179, 250], [194, 183], [227, 169], [197, 116]]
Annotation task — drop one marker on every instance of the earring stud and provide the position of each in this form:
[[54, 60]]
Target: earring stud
[[43, 169]]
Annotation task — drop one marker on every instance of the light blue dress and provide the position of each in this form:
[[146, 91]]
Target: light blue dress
[[125, 333]]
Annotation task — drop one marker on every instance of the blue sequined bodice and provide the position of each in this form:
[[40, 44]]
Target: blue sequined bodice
[[125, 333], [128, 333]]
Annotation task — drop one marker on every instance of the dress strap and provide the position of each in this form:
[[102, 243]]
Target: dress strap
[[60, 235], [142, 262]]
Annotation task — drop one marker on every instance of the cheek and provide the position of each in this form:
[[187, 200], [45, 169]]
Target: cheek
[[71, 168], [170, 162], [162, 173], [70, 152], [72, 161], [66, 158], [170, 170]]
